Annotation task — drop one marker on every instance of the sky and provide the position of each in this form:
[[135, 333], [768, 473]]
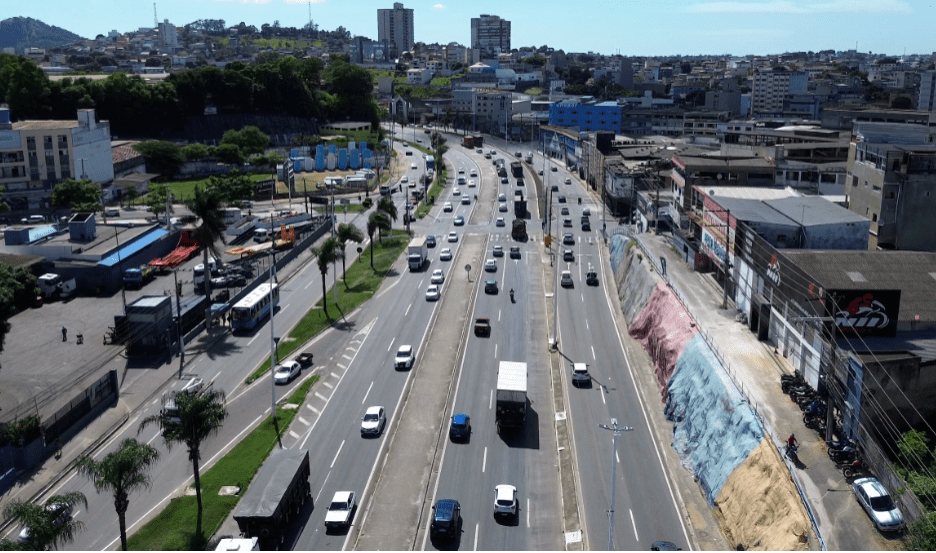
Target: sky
[[627, 27]]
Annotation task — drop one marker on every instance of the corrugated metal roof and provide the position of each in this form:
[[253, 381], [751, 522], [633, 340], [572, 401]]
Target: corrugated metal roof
[[133, 247]]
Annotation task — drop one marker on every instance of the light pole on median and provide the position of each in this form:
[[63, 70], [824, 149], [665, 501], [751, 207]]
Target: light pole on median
[[614, 434]]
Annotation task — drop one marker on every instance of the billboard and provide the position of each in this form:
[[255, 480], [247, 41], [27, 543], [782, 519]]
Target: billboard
[[864, 312]]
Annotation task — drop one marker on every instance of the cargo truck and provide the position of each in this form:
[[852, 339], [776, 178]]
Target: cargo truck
[[511, 398], [417, 253], [275, 496], [516, 169], [520, 209], [137, 278]]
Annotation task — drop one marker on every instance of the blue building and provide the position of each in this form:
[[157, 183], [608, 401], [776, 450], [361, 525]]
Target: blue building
[[603, 116]]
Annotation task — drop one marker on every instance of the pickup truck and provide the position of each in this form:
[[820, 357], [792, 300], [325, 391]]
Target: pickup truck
[[482, 326], [137, 278], [340, 510]]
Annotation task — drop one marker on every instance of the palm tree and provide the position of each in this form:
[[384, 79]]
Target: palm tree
[[387, 206], [326, 255], [378, 221], [122, 473], [50, 525], [347, 233], [198, 417], [206, 204]]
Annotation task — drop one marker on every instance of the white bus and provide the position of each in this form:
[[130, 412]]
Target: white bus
[[249, 311]]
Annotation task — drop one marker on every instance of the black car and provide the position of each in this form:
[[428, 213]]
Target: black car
[[490, 286], [561, 199], [446, 519], [431, 241], [568, 255], [461, 427], [591, 278], [514, 252]]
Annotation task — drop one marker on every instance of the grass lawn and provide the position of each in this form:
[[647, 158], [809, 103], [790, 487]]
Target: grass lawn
[[173, 529], [434, 190], [185, 189], [362, 282]]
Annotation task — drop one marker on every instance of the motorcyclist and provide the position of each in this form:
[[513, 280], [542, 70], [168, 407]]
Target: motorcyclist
[[791, 441], [511, 293]]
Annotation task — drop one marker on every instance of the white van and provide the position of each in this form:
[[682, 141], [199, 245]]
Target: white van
[[261, 235], [112, 211]]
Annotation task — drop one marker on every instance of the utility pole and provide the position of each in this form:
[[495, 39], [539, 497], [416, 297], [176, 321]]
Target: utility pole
[[614, 434], [175, 276]]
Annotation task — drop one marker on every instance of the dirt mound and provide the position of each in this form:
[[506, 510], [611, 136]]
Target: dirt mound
[[758, 506]]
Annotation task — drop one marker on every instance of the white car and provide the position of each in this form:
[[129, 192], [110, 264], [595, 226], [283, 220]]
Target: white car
[[373, 422], [453, 237], [875, 500], [414, 166], [498, 250], [490, 265], [445, 254], [568, 180], [505, 500], [341, 509], [438, 277], [404, 179], [461, 170], [64, 515], [447, 206], [471, 183], [502, 207], [432, 293], [500, 222], [286, 372], [502, 197], [466, 200], [404, 358], [474, 172], [456, 191]]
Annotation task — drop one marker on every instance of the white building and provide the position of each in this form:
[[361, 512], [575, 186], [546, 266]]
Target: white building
[[490, 34], [396, 28], [772, 87], [927, 101], [488, 110], [168, 36]]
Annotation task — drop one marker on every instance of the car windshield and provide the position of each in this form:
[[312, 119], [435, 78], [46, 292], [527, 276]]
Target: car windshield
[[882, 503], [504, 501], [370, 417], [338, 505]]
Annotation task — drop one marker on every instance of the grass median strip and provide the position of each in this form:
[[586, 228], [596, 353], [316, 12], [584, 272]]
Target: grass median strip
[[173, 529], [361, 283]]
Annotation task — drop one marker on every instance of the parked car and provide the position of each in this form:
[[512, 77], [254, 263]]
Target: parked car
[[373, 422], [874, 499]]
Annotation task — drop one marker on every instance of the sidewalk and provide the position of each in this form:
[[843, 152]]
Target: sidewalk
[[757, 369]]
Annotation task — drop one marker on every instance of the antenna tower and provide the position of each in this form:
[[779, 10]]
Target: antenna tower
[[155, 19]]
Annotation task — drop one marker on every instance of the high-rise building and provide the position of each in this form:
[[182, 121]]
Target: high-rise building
[[927, 91], [168, 36], [490, 34], [772, 87], [395, 27]]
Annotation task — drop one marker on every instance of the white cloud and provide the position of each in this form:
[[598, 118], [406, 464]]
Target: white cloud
[[804, 8], [439, 6]]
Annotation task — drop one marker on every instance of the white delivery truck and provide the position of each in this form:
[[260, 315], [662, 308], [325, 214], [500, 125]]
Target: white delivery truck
[[511, 398], [417, 253]]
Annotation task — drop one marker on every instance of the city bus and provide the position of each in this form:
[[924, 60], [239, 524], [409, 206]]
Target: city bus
[[430, 162], [249, 311]]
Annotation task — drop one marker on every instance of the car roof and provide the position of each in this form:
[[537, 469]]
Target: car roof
[[445, 508], [374, 409], [406, 347], [341, 497], [505, 490], [871, 486], [459, 418], [490, 281]]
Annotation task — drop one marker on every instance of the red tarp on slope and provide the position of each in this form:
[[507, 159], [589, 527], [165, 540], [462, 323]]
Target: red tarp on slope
[[664, 327]]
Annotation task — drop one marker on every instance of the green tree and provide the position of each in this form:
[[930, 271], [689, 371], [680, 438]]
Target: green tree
[[84, 195], [25, 87], [378, 221], [206, 206], [161, 156], [386, 205], [193, 152], [50, 525], [229, 153], [921, 534], [121, 473], [130, 192], [233, 187], [250, 140], [347, 233], [902, 102], [200, 416], [156, 199], [326, 255]]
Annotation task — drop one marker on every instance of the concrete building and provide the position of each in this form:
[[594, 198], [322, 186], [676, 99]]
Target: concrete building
[[490, 34], [927, 100], [587, 116], [36, 155], [395, 27], [487, 110], [168, 36], [770, 88]]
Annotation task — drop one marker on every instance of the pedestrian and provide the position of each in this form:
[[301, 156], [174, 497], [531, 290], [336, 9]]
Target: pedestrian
[[64, 334], [58, 447]]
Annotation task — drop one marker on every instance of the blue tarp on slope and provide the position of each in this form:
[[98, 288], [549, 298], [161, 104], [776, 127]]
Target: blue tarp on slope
[[714, 429]]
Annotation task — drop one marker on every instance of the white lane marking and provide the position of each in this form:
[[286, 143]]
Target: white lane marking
[[320, 396], [616, 456], [337, 453], [294, 435], [252, 339], [336, 375], [476, 536], [602, 392], [636, 537], [327, 385], [528, 512], [319, 494], [340, 366], [391, 344], [491, 400], [407, 310], [367, 392], [149, 441], [348, 357], [583, 295], [484, 462], [284, 307], [309, 284], [216, 376], [593, 354], [586, 325], [495, 351], [314, 410], [303, 421]]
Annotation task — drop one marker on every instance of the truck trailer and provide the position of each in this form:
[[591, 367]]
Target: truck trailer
[[516, 169], [511, 399], [275, 496], [416, 253]]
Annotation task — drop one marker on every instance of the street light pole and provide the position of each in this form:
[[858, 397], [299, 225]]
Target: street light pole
[[614, 434]]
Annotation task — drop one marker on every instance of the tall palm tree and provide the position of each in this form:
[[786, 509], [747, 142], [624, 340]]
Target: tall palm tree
[[198, 417], [122, 472], [50, 525], [387, 206], [378, 221], [325, 256], [347, 233], [206, 204]]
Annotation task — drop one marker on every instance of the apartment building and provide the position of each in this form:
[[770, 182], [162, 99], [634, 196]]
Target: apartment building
[[168, 36], [395, 27], [490, 34], [487, 110], [927, 100], [36, 155], [771, 87]]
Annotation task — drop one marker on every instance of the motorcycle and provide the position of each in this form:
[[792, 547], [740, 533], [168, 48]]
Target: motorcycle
[[847, 453], [511, 295], [852, 469], [580, 201], [817, 408], [791, 453]]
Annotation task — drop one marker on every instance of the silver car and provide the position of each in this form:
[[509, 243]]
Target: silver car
[[875, 500], [373, 422], [286, 372]]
